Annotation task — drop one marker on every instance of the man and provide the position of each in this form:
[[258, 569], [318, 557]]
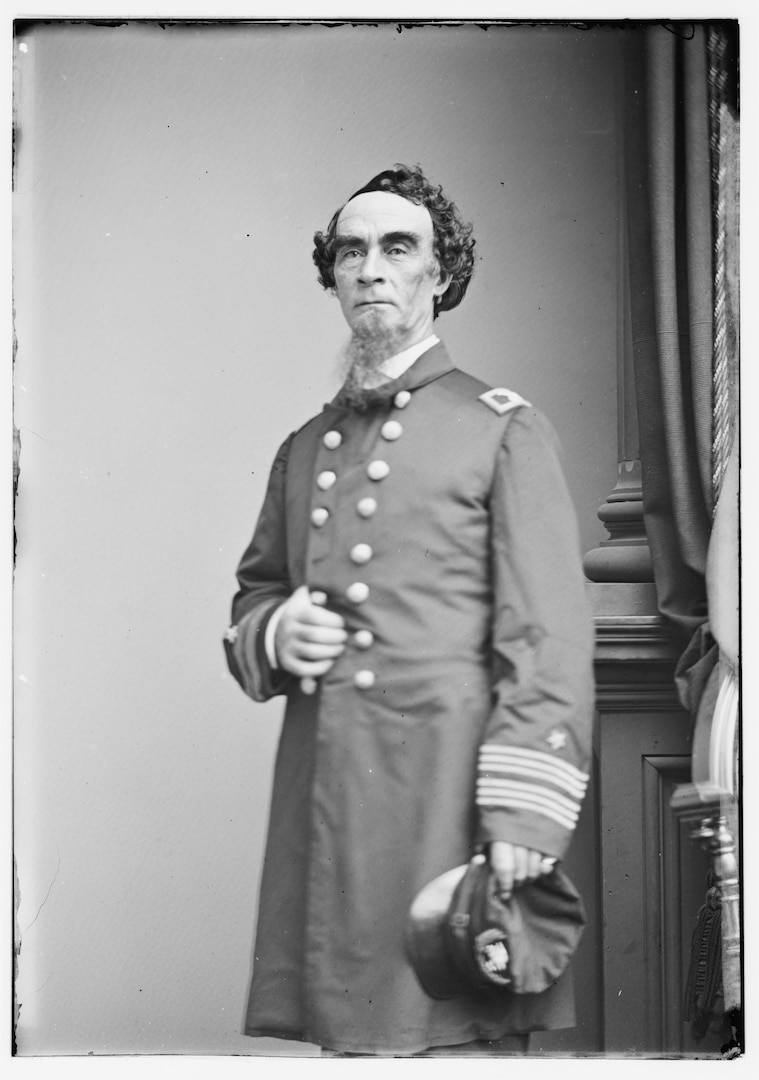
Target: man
[[413, 587]]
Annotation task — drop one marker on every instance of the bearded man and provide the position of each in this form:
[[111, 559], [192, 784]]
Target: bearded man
[[413, 587]]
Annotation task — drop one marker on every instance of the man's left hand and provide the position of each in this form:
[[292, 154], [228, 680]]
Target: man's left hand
[[514, 865]]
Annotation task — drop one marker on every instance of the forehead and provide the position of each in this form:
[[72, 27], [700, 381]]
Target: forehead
[[380, 212]]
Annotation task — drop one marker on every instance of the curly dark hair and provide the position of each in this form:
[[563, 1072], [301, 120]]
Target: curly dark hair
[[452, 237]]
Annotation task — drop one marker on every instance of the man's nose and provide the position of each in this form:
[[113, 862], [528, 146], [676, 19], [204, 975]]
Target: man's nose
[[372, 267]]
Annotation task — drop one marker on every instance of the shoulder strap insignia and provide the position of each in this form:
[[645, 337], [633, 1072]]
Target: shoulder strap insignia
[[502, 401]]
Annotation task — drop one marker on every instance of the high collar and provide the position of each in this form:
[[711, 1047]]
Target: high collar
[[431, 365], [394, 366]]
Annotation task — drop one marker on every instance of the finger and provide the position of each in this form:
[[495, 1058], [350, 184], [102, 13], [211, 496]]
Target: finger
[[302, 604], [300, 597], [547, 864], [520, 865], [319, 635], [319, 616], [310, 668], [534, 860], [502, 864], [316, 650]]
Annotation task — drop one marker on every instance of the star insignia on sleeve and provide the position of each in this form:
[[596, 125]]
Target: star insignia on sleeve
[[556, 739], [231, 635]]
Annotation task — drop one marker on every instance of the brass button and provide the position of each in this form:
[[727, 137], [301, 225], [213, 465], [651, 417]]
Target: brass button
[[332, 440], [325, 480], [377, 470], [357, 592], [391, 430], [367, 507], [402, 399], [319, 516], [361, 553], [364, 680], [363, 639]]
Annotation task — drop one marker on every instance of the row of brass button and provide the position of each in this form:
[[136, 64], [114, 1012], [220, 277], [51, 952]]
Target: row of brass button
[[376, 470]]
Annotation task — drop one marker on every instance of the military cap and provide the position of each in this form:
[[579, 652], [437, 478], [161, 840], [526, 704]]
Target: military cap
[[461, 937]]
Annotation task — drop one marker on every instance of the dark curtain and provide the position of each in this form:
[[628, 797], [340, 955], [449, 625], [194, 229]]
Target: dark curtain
[[673, 97], [681, 131]]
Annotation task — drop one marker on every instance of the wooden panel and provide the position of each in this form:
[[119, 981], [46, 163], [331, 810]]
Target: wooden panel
[[653, 883], [642, 876], [631, 874], [663, 859]]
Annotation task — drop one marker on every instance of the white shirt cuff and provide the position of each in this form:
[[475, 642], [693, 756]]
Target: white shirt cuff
[[269, 646]]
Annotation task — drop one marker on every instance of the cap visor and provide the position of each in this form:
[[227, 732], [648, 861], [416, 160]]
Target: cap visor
[[426, 940]]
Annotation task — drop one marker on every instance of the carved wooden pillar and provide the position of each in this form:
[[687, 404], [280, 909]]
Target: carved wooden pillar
[[719, 840], [624, 555], [711, 796]]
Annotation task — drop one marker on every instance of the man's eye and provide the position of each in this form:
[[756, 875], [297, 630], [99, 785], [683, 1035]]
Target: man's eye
[[397, 250], [349, 253]]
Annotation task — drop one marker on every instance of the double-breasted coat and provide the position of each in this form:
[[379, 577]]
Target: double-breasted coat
[[438, 523]]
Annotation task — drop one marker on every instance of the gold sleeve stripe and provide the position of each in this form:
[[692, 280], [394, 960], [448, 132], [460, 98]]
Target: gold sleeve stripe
[[522, 755], [490, 765], [532, 791], [566, 820]]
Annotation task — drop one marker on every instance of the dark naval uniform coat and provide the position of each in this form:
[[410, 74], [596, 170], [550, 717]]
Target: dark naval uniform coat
[[439, 526]]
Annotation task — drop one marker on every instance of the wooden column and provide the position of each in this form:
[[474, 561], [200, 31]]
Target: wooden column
[[624, 555]]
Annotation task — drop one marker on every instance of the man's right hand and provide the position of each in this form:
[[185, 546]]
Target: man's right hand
[[308, 638]]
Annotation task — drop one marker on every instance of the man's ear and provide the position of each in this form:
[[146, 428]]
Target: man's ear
[[443, 281]]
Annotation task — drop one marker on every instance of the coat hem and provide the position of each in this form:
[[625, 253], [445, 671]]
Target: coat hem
[[431, 1043]]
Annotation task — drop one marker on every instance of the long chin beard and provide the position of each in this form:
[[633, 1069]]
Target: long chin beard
[[371, 343]]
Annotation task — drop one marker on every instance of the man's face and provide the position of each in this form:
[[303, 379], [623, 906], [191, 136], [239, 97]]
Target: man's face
[[386, 274]]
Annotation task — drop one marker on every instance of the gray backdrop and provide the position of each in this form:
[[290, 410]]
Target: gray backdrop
[[170, 333]]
